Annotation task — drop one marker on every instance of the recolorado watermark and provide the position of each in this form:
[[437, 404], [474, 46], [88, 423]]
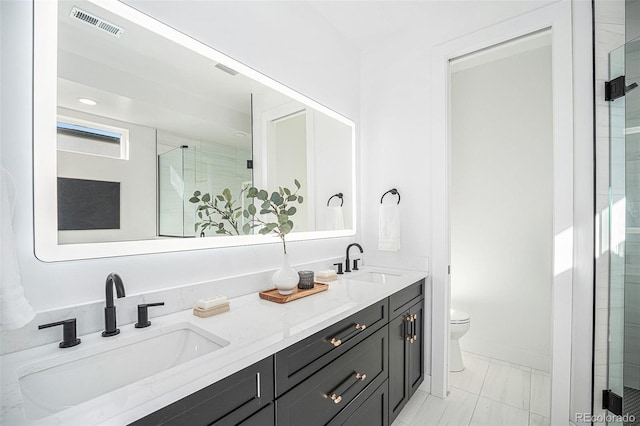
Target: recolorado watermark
[[601, 418]]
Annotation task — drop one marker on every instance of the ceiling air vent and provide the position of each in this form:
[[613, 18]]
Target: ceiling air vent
[[96, 22], [226, 69]]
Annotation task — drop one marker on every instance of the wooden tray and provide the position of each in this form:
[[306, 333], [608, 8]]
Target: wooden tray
[[273, 295]]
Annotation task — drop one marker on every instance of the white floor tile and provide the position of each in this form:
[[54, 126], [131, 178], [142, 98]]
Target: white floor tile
[[471, 378], [540, 393], [508, 384], [411, 409], [455, 410], [493, 413], [536, 420]]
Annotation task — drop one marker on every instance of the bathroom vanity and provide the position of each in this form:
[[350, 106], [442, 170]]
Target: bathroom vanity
[[360, 370], [351, 355]]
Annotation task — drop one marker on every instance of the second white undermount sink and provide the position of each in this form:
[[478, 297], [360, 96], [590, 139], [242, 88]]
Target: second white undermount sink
[[376, 277], [52, 385]]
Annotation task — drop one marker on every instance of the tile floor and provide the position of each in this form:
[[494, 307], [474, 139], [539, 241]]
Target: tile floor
[[487, 392]]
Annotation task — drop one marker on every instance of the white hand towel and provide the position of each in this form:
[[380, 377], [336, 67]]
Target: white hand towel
[[15, 310], [335, 218], [389, 227]]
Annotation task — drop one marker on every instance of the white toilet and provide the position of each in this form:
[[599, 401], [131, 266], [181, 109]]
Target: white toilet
[[458, 326]]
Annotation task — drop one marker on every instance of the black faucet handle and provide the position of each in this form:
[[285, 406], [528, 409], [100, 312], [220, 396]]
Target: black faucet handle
[[143, 314], [339, 265], [355, 264], [69, 334]]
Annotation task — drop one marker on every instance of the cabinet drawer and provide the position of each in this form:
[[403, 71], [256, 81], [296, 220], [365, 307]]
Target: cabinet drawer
[[299, 361], [264, 417], [226, 402], [336, 387], [401, 300], [372, 412]]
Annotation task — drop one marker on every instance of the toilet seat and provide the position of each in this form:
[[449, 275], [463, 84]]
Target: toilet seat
[[459, 317]]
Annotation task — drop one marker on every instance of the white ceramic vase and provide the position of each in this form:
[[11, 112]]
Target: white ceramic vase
[[286, 278]]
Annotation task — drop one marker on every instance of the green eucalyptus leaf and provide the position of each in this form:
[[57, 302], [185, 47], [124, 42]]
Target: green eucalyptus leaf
[[194, 199], [285, 228], [206, 198], [238, 214], [200, 215], [219, 197], [221, 226], [265, 211], [227, 194], [246, 228], [246, 213], [221, 231], [196, 193], [297, 183], [280, 190], [292, 211], [263, 195], [292, 198], [271, 226], [276, 198], [266, 205], [264, 231], [251, 210], [282, 218], [300, 199], [252, 192], [287, 191]]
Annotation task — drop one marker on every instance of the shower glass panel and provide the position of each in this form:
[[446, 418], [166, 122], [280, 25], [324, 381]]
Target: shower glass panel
[[624, 199], [208, 169]]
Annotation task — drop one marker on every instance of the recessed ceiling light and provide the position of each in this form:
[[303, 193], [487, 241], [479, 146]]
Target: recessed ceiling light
[[87, 101], [240, 134]]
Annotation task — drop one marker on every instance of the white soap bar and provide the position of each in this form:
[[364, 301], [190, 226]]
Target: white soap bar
[[326, 273], [211, 302]]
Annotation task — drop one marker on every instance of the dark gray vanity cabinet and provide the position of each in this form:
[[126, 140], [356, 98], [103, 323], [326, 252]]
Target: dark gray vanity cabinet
[[231, 401], [299, 361], [344, 384], [360, 371], [406, 346]]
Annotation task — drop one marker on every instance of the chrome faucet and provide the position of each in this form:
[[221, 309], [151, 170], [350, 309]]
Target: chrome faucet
[[113, 280], [355, 261]]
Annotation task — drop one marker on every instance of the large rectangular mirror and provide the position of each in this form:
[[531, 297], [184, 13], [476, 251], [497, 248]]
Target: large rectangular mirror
[[133, 118]]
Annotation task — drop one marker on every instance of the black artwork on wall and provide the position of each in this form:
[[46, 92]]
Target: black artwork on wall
[[88, 204]]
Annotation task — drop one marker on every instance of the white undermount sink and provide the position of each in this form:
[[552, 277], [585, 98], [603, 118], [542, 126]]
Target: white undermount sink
[[54, 384], [376, 277]]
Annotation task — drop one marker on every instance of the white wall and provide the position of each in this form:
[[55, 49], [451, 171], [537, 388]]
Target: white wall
[[501, 202], [396, 103], [316, 61]]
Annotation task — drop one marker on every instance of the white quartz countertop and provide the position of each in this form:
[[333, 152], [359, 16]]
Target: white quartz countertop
[[255, 329]]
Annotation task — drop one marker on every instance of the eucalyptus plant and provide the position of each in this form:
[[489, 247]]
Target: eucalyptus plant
[[278, 205], [216, 212]]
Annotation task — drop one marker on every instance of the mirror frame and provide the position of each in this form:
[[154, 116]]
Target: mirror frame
[[46, 244]]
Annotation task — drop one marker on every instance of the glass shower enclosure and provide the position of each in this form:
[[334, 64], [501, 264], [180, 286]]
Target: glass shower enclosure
[[624, 207], [186, 169]]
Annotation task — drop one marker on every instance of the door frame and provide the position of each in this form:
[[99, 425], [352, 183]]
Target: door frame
[[558, 18]]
